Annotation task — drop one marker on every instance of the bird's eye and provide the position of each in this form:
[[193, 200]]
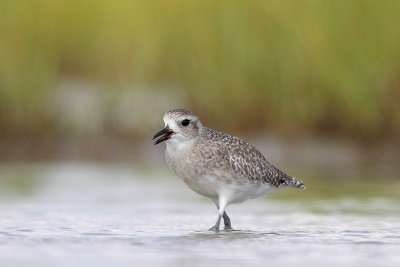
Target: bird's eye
[[185, 122], [282, 181]]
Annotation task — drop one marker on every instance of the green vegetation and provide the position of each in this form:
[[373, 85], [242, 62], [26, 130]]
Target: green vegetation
[[305, 66]]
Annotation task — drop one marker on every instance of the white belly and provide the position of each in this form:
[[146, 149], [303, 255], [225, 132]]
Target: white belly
[[205, 185], [217, 185]]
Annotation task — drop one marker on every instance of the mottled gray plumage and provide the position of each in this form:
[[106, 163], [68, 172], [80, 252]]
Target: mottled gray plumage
[[218, 165], [243, 158]]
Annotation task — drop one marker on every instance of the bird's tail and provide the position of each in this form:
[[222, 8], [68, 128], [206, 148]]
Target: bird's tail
[[297, 184]]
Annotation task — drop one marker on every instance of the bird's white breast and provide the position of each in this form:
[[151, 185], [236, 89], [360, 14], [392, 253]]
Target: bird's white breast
[[183, 162]]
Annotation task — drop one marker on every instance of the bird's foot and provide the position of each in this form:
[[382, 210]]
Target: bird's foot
[[214, 228], [228, 228]]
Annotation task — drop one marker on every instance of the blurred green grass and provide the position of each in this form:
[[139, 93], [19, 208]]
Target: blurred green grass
[[288, 66]]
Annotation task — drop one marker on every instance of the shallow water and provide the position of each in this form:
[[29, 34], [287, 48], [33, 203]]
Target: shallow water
[[101, 215]]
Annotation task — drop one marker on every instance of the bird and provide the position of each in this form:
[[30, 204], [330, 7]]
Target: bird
[[219, 166]]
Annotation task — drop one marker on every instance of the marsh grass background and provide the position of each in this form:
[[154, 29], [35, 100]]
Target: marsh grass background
[[101, 68]]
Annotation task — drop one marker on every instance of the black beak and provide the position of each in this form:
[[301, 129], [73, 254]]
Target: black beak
[[166, 134]]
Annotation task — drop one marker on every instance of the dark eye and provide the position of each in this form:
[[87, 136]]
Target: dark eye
[[185, 122], [282, 181]]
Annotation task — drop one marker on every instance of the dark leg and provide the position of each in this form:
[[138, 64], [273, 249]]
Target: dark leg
[[227, 222], [216, 226]]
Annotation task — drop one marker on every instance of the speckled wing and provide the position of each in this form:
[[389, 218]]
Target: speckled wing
[[246, 160]]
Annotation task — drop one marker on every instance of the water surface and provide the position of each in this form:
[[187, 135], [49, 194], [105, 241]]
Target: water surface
[[71, 214]]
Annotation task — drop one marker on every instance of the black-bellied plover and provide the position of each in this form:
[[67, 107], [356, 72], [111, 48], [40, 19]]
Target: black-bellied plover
[[217, 165]]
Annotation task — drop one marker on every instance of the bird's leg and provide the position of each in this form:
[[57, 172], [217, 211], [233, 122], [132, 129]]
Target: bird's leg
[[221, 211], [227, 222], [216, 226]]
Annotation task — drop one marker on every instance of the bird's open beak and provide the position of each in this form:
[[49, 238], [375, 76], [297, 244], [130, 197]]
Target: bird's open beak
[[166, 134]]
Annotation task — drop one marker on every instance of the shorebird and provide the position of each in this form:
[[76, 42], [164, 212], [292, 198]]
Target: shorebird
[[217, 165]]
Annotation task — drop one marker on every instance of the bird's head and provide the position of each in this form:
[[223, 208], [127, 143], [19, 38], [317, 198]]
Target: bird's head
[[180, 125]]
